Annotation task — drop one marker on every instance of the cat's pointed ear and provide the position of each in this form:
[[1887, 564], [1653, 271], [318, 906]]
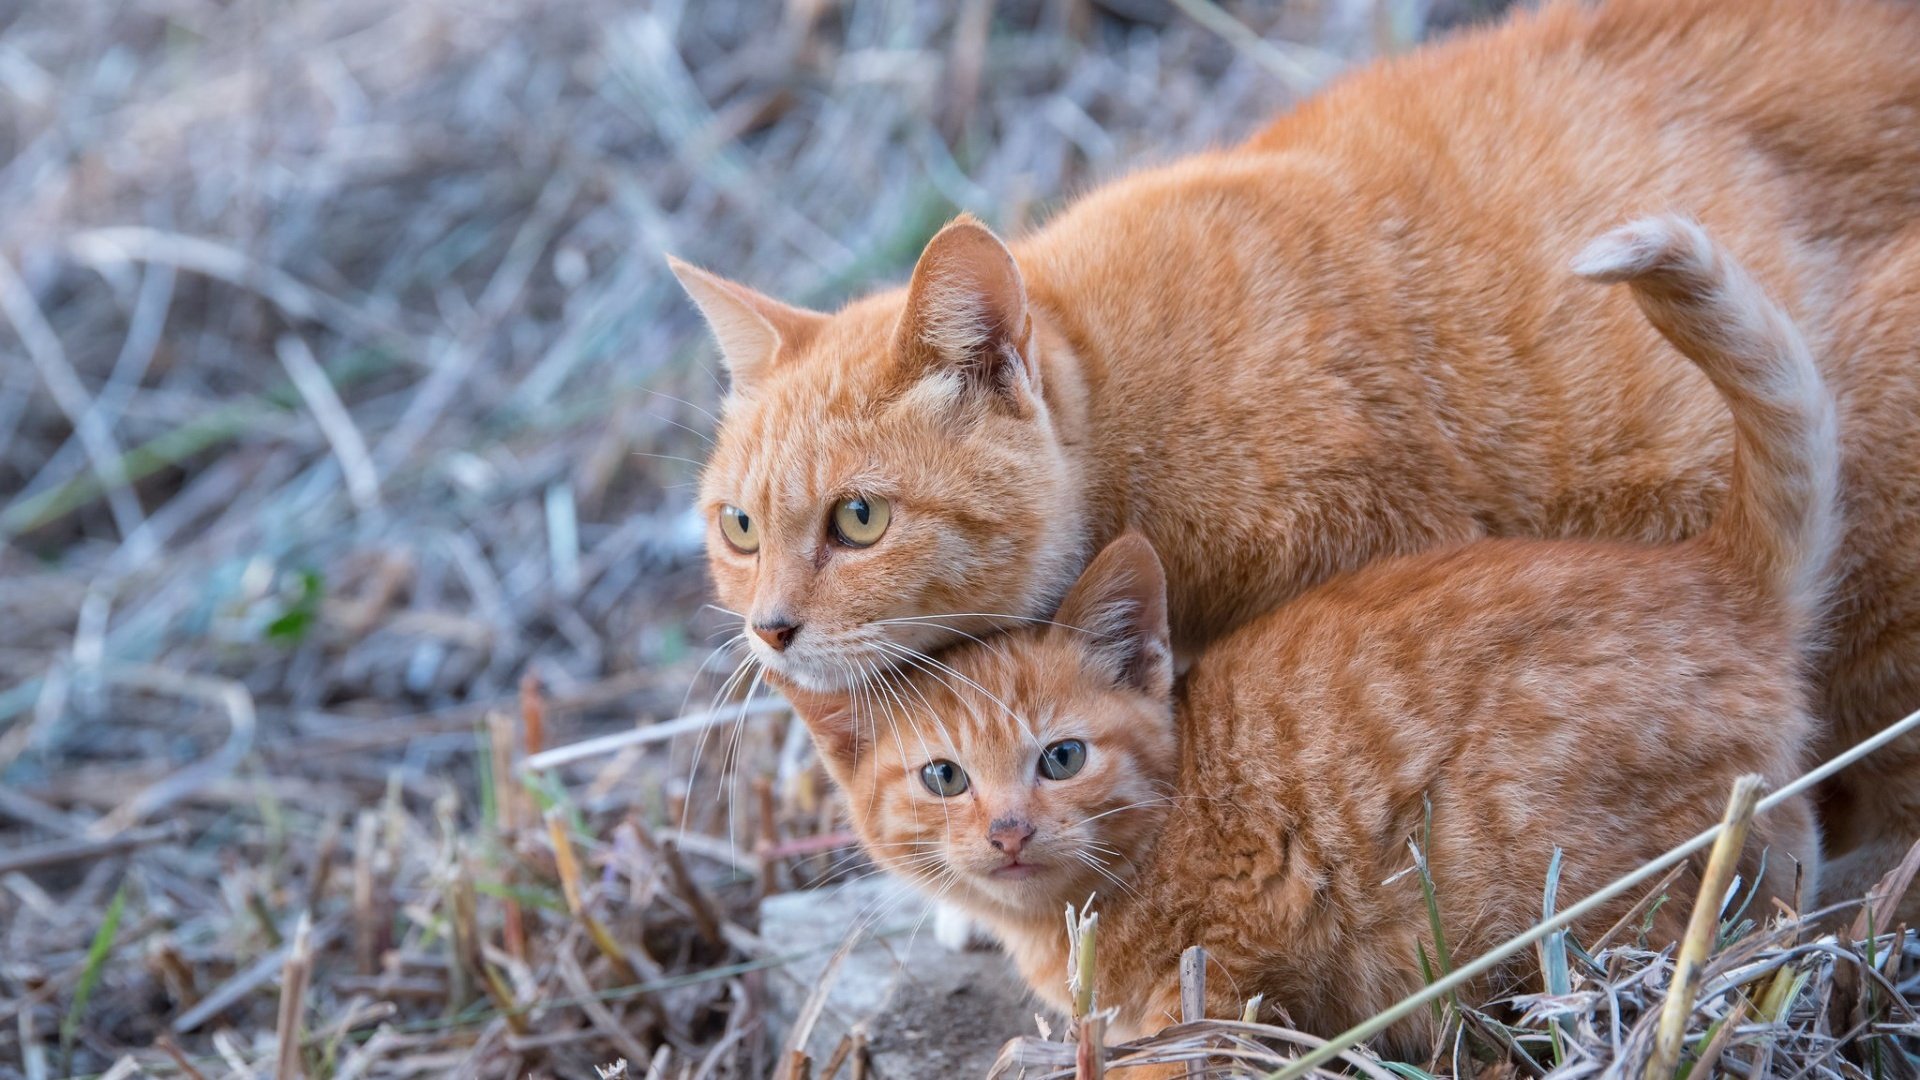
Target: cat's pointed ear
[[1117, 612], [751, 328], [967, 313], [828, 715]]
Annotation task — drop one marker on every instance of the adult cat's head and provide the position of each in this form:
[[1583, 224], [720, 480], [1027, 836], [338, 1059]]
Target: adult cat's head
[[888, 478], [1021, 774]]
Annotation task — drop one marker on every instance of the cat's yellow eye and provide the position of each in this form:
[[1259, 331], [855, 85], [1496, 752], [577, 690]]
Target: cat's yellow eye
[[944, 778], [861, 522], [739, 529], [1063, 759]]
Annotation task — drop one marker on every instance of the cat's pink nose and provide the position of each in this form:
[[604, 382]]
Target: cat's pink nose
[[776, 632], [1010, 835]]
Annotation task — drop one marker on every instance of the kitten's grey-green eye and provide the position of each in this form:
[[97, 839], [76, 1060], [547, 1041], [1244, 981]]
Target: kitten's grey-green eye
[[1063, 759], [860, 522], [944, 778], [739, 529]]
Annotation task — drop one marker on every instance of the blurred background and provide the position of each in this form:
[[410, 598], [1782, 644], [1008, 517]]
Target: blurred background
[[348, 423]]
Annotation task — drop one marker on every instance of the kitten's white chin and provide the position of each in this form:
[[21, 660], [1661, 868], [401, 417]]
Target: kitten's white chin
[[959, 931]]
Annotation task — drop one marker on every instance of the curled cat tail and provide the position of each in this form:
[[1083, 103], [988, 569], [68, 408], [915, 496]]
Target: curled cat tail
[[1779, 527]]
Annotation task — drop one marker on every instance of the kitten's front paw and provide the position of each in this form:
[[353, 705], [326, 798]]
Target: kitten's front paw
[[958, 931]]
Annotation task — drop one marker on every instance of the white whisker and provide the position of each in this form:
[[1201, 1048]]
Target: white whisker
[[934, 620], [669, 457], [688, 404], [695, 432], [935, 669], [1157, 800]]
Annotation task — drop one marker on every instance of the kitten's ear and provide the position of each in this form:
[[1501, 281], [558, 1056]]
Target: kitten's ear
[[1117, 611], [828, 715], [751, 328], [967, 313]]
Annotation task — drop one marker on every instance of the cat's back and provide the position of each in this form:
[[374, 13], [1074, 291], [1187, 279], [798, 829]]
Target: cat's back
[[1547, 652], [1600, 697], [1727, 107]]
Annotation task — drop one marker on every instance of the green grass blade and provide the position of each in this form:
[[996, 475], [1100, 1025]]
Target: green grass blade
[[97, 954], [1426, 972], [483, 774], [1441, 956], [1693, 1057]]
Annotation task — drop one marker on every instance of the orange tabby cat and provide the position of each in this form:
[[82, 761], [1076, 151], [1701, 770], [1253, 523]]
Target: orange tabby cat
[[1350, 338], [1597, 696]]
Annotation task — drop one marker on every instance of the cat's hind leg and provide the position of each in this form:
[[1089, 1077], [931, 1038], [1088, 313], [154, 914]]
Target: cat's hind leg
[[1785, 851]]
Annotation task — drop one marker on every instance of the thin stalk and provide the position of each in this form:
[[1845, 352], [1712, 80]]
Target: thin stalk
[[1701, 926]]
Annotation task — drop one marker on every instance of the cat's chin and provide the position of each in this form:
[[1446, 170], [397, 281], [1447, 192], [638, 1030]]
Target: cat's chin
[[817, 677], [1021, 891]]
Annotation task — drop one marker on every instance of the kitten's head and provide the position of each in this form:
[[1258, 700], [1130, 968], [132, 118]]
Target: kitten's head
[[1020, 773], [893, 461]]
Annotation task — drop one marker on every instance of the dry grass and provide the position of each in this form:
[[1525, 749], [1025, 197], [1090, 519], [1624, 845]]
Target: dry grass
[[342, 387], [1772, 1005]]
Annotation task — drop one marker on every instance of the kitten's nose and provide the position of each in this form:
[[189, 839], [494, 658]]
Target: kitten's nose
[[1010, 835]]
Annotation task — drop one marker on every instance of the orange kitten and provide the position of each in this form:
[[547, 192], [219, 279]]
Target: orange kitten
[[1351, 337], [1601, 697]]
